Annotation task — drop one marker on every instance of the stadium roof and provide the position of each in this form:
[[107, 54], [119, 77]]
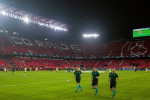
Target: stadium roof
[[32, 18]]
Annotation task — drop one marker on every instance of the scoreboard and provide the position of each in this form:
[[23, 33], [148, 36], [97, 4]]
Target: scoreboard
[[141, 32]]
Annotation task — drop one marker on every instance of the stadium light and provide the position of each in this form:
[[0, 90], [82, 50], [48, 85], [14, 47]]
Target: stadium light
[[26, 19], [41, 24], [3, 13], [19, 14], [92, 35]]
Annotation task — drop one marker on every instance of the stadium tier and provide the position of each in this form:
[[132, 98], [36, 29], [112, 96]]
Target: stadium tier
[[64, 64], [17, 45], [71, 55]]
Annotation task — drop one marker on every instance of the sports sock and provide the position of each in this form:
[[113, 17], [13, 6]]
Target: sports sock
[[77, 87], [114, 91], [80, 87], [96, 90]]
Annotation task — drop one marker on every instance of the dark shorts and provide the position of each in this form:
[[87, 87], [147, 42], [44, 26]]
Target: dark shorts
[[78, 80], [112, 84], [94, 82], [13, 70]]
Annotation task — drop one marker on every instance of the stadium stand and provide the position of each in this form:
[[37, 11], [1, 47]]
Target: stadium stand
[[63, 64], [120, 52], [12, 44]]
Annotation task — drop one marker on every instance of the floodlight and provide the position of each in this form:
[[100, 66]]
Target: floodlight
[[22, 15], [3, 13], [41, 24], [26, 19], [92, 35]]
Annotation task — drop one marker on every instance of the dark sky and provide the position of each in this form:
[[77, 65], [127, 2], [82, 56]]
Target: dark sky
[[112, 19]]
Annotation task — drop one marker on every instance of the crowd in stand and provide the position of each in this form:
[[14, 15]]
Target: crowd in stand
[[21, 63], [18, 46]]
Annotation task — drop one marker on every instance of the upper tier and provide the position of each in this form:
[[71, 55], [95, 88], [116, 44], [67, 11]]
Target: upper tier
[[17, 45]]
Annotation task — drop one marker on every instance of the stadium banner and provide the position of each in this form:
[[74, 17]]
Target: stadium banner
[[64, 47], [39, 43], [26, 42], [128, 48], [60, 46], [16, 40], [50, 45]]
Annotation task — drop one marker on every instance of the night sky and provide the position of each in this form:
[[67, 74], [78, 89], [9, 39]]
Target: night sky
[[112, 19]]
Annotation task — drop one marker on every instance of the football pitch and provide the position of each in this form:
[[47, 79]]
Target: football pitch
[[47, 85]]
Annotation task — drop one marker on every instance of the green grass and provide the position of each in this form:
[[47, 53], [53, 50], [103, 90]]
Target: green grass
[[145, 32], [45, 85]]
